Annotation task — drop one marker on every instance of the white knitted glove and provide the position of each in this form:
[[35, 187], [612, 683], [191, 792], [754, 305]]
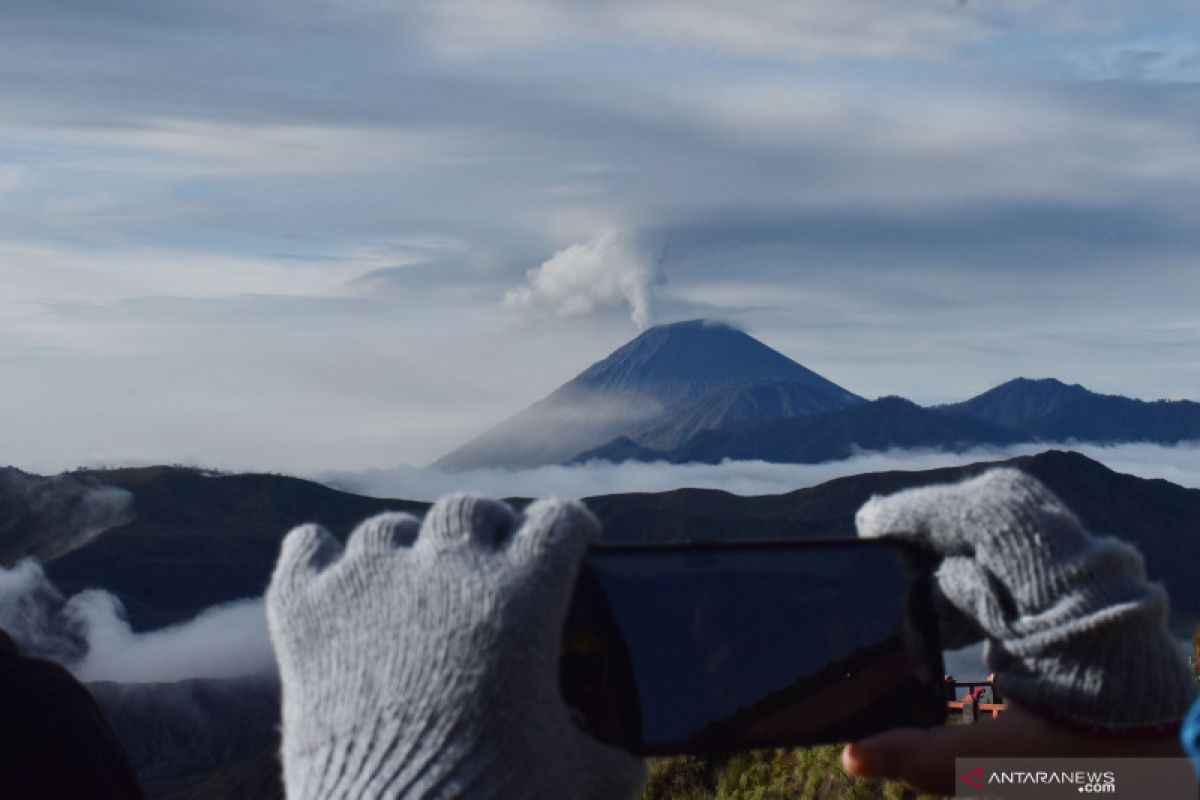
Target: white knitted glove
[[1074, 630], [422, 661]]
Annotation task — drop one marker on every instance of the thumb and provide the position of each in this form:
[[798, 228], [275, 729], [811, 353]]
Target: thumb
[[913, 755], [924, 759]]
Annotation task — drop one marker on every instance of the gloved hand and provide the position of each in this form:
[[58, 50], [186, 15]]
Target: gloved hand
[[1074, 630], [422, 661]]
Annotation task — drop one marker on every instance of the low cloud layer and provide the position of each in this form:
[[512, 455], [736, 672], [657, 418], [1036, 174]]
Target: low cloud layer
[[225, 641], [88, 633], [1179, 464], [612, 269]]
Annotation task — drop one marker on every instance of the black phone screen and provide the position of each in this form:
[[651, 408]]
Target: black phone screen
[[721, 648]]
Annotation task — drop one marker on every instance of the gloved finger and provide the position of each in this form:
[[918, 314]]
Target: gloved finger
[[304, 553], [918, 516], [543, 562], [467, 520], [554, 538], [383, 534], [962, 518], [970, 603]]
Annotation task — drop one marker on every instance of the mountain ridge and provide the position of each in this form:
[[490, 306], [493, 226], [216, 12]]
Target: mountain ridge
[[889, 422], [199, 541], [1049, 410], [706, 391]]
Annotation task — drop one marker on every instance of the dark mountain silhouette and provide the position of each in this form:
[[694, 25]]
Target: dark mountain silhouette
[[257, 777], [658, 390], [879, 425], [1050, 410], [54, 739], [197, 539], [172, 731], [200, 539], [1021, 410], [759, 402], [45, 517]]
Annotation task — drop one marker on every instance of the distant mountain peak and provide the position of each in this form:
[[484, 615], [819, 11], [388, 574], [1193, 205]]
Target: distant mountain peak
[[657, 389], [1027, 384], [703, 354], [894, 401], [687, 326], [1050, 410], [1014, 403]]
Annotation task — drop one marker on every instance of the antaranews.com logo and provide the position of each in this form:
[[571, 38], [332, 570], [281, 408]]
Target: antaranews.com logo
[[1086, 781], [1058, 778]]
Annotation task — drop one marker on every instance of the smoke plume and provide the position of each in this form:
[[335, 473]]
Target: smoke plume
[[611, 269]]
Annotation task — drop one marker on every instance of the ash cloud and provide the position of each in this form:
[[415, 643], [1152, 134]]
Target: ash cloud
[[89, 634], [611, 269]]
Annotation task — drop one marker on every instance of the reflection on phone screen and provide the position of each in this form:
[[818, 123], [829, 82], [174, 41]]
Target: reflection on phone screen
[[762, 645]]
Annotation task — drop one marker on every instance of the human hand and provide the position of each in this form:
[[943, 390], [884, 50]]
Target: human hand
[[1073, 629], [422, 660], [1074, 632], [924, 758]]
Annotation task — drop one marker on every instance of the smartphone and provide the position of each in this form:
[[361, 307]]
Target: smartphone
[[717, 648]]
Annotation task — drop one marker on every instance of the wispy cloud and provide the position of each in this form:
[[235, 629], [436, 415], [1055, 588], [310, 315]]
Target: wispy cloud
[[183, 147], [40, 273], [1173, 58], [802, 32], [204, 208]]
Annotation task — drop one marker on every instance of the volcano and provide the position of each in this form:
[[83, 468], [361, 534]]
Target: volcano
[[657, 391]]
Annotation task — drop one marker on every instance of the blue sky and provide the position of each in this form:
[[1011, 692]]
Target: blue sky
[[341, 235]]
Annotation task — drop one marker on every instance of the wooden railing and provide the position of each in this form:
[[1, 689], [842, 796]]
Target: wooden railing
[[968, 707], [995, 709]]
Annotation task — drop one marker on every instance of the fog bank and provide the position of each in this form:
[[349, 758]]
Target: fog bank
[[1178, 464], [89, 634]]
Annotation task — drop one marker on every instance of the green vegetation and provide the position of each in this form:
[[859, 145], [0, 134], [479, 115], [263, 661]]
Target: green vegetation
[[812, 773]]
